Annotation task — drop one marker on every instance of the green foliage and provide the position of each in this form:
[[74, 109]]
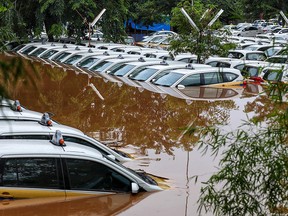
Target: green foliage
[[56, 30], [253, 171], [202, 43], [5, 35]]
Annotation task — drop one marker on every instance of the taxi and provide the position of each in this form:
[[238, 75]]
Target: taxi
[[13, 110], [58, 168], [44, 128]]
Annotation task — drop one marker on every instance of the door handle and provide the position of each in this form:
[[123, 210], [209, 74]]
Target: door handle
[[6, 195]]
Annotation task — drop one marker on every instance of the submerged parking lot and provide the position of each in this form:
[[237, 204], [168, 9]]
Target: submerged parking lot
[[148, 125]]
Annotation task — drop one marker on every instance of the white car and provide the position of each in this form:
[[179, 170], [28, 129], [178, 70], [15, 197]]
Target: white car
[[58, 168], [149, 72], [163, 32], [248, 31], [41, 130], [274, 74], [230, 63], [247, 55], [12, 110], [200, 77]]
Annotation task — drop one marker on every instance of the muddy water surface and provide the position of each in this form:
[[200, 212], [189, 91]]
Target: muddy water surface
[[145, 124]]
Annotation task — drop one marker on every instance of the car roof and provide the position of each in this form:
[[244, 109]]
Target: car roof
[[6, 113], [124, 58], [246, 51], [44, 148], [34, 127], [147, 61], [204, 70], [167, 64]]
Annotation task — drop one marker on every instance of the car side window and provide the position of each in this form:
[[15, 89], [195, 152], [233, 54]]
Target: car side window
[[229, 77], [94, 176], [212, 78], [30, 172], [239, 67], [192, 80], [273, 75], [213, 63], [223, 64]]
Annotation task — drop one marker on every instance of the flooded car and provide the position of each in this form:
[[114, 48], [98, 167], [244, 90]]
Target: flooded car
[[57, 168], [44, 130]]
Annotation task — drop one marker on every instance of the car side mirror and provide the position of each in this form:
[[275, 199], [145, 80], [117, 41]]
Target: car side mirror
[[111, 157], [180, 87], [134, 188]]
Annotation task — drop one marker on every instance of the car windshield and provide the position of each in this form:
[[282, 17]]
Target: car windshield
[[101, 66], [30, 49], [139, 174], [271, 51], [73, 59], [61, 56], [252, 48], [273, 75], [88, 62], [38, 52], [122, 70], [256, 56], [237, 55], [143, 75], [166, 78], [277, 60], [48, 54]]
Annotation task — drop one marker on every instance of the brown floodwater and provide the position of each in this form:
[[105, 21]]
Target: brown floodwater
[[145, 124]]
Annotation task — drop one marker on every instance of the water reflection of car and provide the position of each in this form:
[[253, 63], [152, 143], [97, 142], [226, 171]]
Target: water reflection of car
[[108, 204], [40, 168], [204, 93]]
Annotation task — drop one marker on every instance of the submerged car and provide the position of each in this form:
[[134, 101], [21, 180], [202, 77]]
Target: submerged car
[[45, 129], [13, 110], [274, 74], [200, 77], [57, 168]]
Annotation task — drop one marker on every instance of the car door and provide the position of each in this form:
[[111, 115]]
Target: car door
[[31, 177], [91, 177]]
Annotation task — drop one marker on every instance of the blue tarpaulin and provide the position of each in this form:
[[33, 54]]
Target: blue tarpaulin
[[154, 27]]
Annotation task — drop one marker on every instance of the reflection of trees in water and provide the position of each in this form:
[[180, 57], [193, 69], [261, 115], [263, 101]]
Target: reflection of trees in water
[[144, 119], [253, 174]]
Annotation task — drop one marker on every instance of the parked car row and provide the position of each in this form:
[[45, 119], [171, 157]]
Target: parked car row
[[141, 67], [42, 158], [117, 61]]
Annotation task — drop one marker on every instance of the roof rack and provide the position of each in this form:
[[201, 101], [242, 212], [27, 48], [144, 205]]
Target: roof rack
[[16, 106], [45, 120], [57, 139]]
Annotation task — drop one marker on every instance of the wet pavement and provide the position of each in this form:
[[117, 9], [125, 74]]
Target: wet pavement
[[148, 125]]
